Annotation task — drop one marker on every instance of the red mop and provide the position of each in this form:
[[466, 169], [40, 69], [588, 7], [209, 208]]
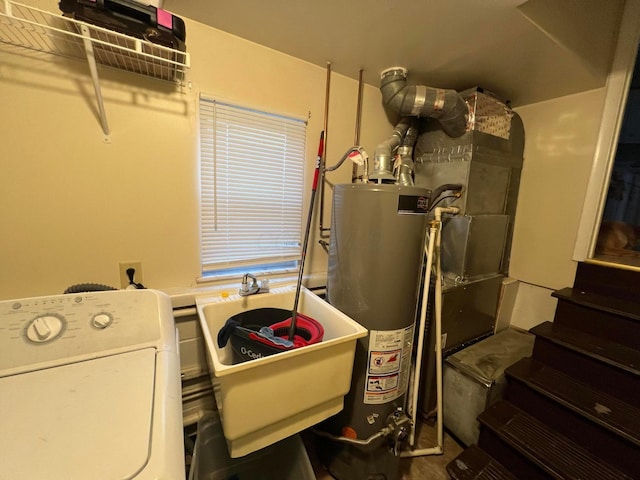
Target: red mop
[[294, 314], [254, 334]]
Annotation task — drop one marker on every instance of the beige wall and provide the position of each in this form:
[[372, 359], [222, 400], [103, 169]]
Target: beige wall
[[72, 205], [561, 136], [560, 143]]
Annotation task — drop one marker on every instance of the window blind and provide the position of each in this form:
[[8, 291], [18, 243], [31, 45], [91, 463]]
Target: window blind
[[251, 186]]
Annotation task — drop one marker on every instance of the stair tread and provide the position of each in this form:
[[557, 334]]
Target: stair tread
[[605, 303], [552, 452], [607, 351], [602, 408], [476, 464]]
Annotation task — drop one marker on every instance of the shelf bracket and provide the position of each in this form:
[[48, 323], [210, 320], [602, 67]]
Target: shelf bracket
[[91, 59], [45, 32]]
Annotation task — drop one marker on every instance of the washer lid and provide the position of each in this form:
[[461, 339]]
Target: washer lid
[[84, 420]]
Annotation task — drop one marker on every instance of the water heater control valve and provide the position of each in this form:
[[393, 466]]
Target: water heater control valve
[[400, 423]]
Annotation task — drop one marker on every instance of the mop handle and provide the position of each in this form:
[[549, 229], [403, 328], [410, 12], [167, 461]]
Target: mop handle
[[314, 187]]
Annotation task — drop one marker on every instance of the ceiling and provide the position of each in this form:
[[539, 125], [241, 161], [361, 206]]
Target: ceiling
[[524, 51]]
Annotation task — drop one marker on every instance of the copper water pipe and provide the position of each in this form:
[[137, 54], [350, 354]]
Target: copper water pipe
[[356, 140], [324, 155]]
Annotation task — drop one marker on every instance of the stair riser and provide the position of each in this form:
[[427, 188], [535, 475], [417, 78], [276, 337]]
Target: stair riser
[[599, 375], [607, 281], [508, 457], [594, 438], [595, 322], [600, 408]]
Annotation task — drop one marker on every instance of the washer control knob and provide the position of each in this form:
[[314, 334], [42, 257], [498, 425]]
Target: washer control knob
[[102, 320], [44, 328]]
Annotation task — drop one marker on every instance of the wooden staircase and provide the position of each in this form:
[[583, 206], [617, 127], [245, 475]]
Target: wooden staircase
[[572, 409]]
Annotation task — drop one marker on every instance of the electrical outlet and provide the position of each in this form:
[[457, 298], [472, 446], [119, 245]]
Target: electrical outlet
[[124, 278]]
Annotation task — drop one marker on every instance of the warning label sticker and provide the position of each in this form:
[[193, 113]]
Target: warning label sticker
[[382, 384], [388, 366], [384, 362]]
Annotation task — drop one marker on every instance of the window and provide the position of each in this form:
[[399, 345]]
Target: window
[[251, 187]]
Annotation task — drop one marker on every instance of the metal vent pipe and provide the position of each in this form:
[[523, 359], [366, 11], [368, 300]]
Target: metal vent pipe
[[447, 106], [384, 153], [405, 154]]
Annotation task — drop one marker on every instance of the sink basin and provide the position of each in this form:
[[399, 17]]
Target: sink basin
[[265, 400]]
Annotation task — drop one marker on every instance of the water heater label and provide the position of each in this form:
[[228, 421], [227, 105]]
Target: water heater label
[[412, 204], [388, 365]]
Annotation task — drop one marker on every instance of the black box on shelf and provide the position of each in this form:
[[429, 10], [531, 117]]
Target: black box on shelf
[[130, 18]]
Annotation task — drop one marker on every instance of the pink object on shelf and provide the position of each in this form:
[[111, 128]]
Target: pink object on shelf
[[165, 19]]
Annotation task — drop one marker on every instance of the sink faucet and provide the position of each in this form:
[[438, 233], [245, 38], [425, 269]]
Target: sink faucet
[[252, 288]]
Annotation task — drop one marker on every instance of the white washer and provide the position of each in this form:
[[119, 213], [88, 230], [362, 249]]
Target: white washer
[[90, 388]]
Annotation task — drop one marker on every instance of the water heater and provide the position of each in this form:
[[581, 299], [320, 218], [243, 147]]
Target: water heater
[[375, 264]]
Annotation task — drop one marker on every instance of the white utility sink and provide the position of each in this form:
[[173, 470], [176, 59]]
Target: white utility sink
[[265, 400]]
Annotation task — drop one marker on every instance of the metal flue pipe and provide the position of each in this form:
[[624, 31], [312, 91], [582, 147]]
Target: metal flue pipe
[[405, 155], [447, 106], [385, 151]]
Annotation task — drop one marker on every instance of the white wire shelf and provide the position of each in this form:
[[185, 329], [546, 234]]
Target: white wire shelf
[[41, 31], [35, 29]]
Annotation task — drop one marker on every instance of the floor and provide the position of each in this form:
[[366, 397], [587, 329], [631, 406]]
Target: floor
[[424, 468]]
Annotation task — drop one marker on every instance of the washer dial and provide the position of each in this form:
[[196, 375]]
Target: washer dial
[[102, 320], [44, 328]]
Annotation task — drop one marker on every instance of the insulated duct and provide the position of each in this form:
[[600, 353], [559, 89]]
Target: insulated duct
[[447, 106]]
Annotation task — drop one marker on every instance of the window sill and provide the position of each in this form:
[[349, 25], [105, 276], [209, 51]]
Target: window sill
[[185, 297]]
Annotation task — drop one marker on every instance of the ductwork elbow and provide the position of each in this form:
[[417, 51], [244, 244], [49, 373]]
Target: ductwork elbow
[[447, 106], [384, 153]]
